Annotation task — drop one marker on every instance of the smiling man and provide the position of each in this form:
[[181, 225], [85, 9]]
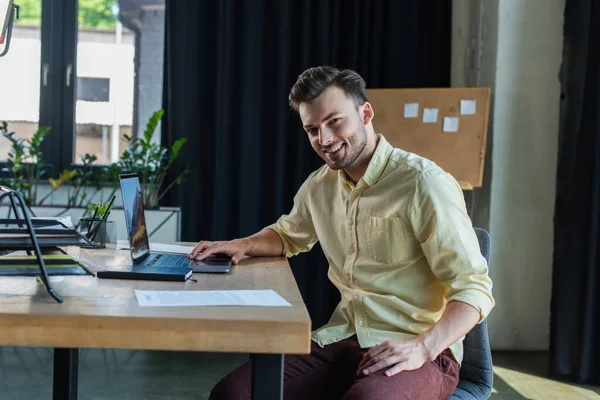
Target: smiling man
[[401, 250]]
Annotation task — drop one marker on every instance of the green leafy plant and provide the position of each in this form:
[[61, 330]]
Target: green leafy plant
[[25, 162], [86, 176], [100, 209], [83, 178], [63, 179], [152, 162], [110, 173]]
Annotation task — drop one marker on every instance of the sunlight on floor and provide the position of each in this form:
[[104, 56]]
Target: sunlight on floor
[[519, 385]]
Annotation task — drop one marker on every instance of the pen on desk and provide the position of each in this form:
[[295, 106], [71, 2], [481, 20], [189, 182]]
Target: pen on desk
[[91, 227], [108, 208], [111, 203]]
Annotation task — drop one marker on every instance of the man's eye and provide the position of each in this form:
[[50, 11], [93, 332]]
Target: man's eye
[[334, 121], [312, 131]]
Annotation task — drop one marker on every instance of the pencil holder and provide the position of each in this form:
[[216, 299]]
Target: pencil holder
[[98, 231]]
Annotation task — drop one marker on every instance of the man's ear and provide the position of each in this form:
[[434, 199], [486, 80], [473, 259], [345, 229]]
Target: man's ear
[[367, 113]]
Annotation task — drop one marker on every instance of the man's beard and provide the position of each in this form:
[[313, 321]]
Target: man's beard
[[354, 148]]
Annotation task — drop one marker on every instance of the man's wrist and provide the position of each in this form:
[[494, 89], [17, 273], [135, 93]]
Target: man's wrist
[[248, 246], [431, 345]]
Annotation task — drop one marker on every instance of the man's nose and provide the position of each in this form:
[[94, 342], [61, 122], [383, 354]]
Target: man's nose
[[325, 136]]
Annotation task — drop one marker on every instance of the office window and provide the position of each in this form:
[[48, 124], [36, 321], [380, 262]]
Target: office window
[[93, 89], [20, 75], [122, 43], [102, 58]]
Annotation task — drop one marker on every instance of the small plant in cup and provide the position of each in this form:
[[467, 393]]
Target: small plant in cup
[[101, 209]]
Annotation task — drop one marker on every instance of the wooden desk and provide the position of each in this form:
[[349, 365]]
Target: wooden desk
[[103, 313]]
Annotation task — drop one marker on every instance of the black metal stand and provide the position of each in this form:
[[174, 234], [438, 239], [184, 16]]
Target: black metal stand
[[66, 362], [16, 197], [267, 376]]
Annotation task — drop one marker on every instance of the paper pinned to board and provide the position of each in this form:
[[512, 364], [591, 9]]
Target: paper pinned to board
[[189, 298], [411, 110], [450, 124], [430, 115], [468, 107], [159, 247]]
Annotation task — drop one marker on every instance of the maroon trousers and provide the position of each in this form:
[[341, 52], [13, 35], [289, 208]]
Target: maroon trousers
[[330, 373]]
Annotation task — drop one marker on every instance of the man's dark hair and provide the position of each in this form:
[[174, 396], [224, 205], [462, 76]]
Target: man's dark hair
[[314, 81]]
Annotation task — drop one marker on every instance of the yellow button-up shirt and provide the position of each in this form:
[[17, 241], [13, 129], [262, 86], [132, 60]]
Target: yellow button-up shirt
[[399, 243]]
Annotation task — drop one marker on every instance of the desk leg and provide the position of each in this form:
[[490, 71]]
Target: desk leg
[[66, 362], [267, 376]]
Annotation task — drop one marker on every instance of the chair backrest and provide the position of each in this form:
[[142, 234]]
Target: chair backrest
[[476, 371]]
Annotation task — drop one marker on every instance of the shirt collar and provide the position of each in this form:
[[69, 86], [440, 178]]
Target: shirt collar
[[378, 162], [376, 165]]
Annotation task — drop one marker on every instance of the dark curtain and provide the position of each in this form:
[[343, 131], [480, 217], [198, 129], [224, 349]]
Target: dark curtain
[[575, 309], [229, 66]]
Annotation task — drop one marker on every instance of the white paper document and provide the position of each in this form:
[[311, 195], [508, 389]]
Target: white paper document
[[430, 115], [183, 298], [451, 124], [159, 247], [468, 107], [64, 220], [411, 110]]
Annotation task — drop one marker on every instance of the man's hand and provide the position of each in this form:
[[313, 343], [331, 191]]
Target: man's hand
[[265, 243], [395, 355], [236, 249], [458, 319]]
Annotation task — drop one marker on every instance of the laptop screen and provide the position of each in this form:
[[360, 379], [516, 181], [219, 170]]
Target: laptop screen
[[134, 216]]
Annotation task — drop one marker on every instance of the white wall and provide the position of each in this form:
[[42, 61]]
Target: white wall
[[526, 123], [527, 53]]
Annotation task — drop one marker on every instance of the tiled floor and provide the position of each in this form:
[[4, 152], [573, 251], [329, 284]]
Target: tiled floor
[[26, 373]]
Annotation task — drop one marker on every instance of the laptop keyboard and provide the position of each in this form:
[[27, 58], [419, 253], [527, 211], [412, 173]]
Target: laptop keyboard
[[169, 261]]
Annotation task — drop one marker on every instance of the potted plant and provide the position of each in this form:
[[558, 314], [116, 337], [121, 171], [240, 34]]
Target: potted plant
[[25, 162], [75, 188], [152, 162], [97, 228]]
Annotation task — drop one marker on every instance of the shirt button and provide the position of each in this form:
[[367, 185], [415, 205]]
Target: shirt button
[[351, 250], [350, 221], [348, 276], [356, 297], [360, 322]]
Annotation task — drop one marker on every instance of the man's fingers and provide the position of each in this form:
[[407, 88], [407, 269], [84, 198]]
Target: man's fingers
[[402, 366], [198, 248], [367, 362], [384, 363], [220, 248], [208, 251], [204, 249], [373, 351], [201, 247]]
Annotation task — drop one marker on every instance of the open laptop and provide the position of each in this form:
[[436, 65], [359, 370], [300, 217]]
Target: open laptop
[[138, 236]]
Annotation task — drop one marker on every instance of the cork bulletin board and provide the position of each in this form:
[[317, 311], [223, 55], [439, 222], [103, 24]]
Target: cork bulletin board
[[447, 126]]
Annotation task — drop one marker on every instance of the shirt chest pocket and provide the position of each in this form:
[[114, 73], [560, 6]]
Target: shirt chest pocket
[[386, 238]]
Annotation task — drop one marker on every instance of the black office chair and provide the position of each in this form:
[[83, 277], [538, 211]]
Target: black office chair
[[476, 373]]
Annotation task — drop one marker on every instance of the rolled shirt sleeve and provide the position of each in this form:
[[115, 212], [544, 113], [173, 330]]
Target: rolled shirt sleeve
[[445, 231], [296, 229]]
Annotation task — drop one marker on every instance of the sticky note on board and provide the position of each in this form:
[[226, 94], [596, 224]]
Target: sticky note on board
[[468, 107], [411, 110], [450, 124], [430, 115]]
